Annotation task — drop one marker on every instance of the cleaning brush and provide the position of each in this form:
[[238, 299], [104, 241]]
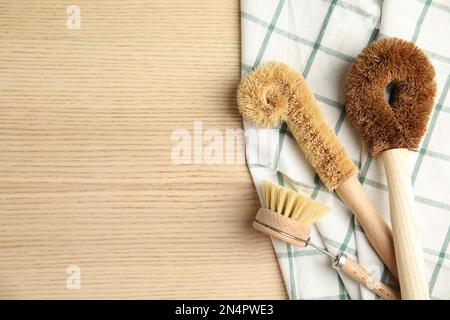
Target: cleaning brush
[[390, 129], [274, 93], [287, 215]]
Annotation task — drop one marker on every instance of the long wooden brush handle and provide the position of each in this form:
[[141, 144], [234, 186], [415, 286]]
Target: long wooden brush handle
[[408, 244], [361, 275], [377, 231]]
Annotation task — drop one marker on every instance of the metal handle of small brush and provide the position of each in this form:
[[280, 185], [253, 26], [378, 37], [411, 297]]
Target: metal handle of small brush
[[362, 276], [407, 241]]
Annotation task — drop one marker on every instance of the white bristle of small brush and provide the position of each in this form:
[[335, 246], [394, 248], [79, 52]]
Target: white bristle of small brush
[[291, 204]]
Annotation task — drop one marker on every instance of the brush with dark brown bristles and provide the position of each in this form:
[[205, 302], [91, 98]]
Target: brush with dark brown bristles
[[287, 215], [390, 129], [274, 93]]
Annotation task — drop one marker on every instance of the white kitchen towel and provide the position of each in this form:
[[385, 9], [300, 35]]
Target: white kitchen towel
[[319, 39]]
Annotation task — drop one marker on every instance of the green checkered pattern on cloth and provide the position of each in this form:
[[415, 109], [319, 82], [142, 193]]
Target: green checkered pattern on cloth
[[320, 38]]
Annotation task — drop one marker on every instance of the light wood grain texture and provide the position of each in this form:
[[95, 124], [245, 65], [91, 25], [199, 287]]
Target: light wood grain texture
[[408, 242], [376, 229], [86, 177], [362, 276]]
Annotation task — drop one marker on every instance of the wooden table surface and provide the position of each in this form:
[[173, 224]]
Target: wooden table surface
[[86, 174]]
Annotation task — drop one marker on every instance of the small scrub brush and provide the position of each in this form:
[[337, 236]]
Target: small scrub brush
[[287, 216]]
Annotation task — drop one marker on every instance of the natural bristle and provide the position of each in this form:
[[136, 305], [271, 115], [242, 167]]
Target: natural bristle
[[274, 93], [401, 121], [261, 95], [291, 204]]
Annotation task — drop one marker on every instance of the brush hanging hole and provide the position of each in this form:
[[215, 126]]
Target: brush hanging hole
[[389, 91]]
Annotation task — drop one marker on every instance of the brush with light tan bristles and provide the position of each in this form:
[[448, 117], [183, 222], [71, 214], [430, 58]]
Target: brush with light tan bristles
[[274, 93], [287, 216]]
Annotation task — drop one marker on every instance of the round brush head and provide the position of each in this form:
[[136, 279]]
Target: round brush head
[[263, 96], [401, 121]]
